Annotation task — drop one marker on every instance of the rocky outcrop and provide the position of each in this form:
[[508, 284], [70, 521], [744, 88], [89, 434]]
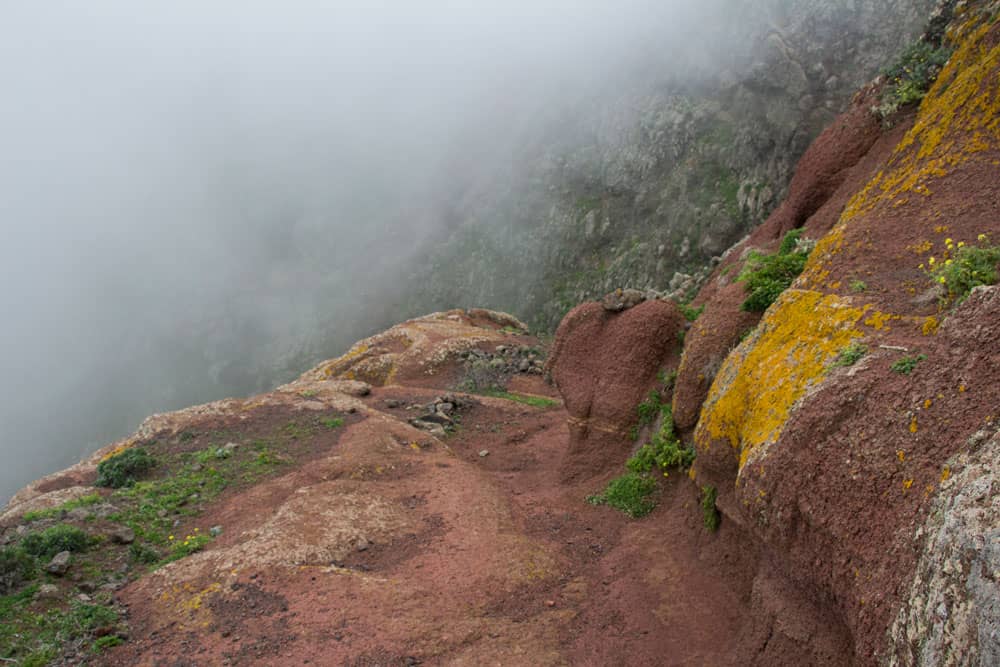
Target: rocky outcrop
[[842, 470], [604, 362]]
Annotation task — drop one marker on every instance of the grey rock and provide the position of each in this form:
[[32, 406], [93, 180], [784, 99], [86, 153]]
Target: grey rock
[[123, 535], [215, 531], [59, 563], [392, 403], [622, 299], [78, 514], [48, 592], [484, 453]]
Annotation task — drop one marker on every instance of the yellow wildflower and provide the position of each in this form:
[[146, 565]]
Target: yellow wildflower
[[931, 261]]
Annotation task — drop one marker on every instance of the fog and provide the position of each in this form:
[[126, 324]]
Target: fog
[[198, 198]]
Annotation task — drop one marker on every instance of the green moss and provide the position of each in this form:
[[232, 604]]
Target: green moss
[[534, 401], [710, 513], [629, 493]]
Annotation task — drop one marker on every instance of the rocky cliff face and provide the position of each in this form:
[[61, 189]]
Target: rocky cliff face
[[631, 188], [420, 499]]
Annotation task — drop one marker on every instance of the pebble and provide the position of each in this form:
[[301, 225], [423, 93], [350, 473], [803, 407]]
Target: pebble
[[484, 453]]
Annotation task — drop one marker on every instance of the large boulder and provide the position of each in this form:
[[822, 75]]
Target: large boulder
[[604, 363]]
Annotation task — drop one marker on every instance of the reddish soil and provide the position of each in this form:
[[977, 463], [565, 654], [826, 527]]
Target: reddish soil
[[497, 562]]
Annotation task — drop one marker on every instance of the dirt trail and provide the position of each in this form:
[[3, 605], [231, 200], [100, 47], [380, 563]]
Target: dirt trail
[[457, 558]]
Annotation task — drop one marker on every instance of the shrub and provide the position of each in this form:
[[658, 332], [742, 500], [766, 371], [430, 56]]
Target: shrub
[[905, 365], [911, 76], [629, 493], [767, 276], [649, 408], [49, 542], [16, 567], [123, 469], [964, 268], [710, 513]]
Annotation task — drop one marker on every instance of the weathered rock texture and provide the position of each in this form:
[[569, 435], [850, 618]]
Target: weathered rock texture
[[604, 362], [835, 470]]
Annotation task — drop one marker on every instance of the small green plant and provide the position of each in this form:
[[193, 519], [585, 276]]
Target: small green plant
[[858, 286], [52, 540], [710, 513], [123, 470], [140, 552], [650, 408], [767, 276], [665, 451], [964, 268], [691, 313], [905, 365], [308, 393], [851, 354], [629, 493], [534, 401], [179, 548], [332, 422]]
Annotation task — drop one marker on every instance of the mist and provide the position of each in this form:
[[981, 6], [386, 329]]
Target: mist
[[203, 199]]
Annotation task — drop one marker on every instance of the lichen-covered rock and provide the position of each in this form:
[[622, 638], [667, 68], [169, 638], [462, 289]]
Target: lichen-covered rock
[[951, 615]]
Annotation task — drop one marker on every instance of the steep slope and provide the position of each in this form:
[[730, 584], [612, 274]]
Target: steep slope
[[834, 468]]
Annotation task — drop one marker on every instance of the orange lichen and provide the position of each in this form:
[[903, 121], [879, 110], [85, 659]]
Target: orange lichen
[[946, 473], [913, 425], [907, 484], [927, 403], [901, 455], [759, 384]]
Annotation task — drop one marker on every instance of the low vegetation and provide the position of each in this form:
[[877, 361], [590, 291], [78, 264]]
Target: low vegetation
[[32, 638], [57, 538], [963, 268], [710, 513], [633, 492], [851, 354], [911, 76], [124, 469], [534, 401], [767, 276], [905, 365]]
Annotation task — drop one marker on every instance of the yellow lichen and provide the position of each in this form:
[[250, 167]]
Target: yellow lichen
[[901, 455], [946, 473], [879, 320], [913, 425], [907, 484], [758, 385], [930, 326]]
